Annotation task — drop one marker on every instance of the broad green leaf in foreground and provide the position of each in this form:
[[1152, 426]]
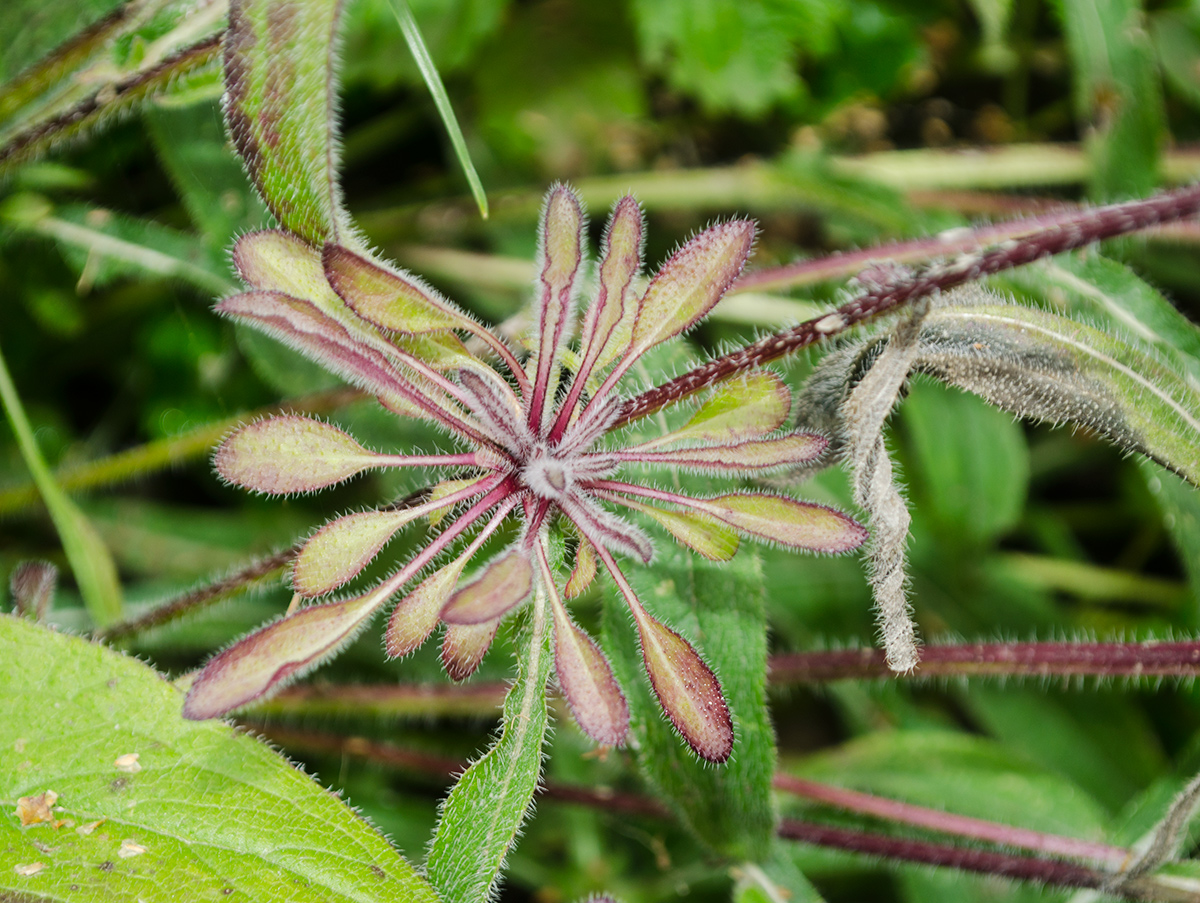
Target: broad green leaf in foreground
[[720, 609], [147, 804], [486, 808]]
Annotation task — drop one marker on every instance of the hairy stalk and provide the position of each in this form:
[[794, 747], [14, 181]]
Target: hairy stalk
[[111, 100], [163, 453], [1168, 835], [1145, 660], [891, 291], [474, 700], [201, 597]]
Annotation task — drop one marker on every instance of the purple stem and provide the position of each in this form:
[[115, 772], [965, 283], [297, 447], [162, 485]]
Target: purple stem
[[1059, 659], [888, 292], [949, 823], [1028, 868]]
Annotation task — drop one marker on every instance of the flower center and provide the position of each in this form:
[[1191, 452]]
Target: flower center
[[546, 476]]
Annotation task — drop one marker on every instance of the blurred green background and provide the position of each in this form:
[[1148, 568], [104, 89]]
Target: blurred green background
[[838, 125]]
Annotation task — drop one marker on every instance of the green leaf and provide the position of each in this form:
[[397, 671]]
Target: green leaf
[[735, 56], [416, 46], [281, 91], [152, 804], [969, 462], [1118, 98], [102, 245], [776, 880], [720, 608], [1091, 287], [90, 560], [1040, 365], [485, 810], [1180, 506]]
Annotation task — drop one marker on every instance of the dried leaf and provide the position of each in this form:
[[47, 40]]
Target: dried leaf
[[290, 453], [32, 584]]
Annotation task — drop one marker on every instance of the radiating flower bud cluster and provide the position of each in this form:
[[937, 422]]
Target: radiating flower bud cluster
[[537, 443]]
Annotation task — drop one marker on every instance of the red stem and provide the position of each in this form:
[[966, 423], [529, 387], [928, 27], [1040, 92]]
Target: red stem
[[1060, 659], [949, 823], [889, 292]]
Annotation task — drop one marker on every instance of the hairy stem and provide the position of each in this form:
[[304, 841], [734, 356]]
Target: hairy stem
[[891, 290], [1145, 660]]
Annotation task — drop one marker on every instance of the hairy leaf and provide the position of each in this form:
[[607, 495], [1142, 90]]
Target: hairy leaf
[[587, 681], [481, 817], [721, 608], [504, 583], [745, 408], [698, 532], [153, 806], [290, 454], [280, 104], [392, 300], [265, 661], [762, 454]]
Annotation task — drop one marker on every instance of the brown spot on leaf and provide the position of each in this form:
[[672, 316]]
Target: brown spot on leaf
[[106, 865], [35, 810], [128, 763], [378, 872], [85, 830], [29, 868], [118, 785]]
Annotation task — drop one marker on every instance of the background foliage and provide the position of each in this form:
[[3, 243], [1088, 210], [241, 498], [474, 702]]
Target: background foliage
[[838, 125]]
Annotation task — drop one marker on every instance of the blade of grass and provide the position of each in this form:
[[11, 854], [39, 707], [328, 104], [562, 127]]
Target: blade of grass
[[416, 45], [89, 558]]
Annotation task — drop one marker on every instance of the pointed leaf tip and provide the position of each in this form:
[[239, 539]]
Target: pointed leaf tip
[[504, 583], [587, 682], [687, 689], [266, 660], [290, 453]]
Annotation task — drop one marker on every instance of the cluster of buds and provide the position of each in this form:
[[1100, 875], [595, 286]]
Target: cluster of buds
[[540, 441]]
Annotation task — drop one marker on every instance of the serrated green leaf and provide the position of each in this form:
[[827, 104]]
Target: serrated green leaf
[[720, 609], [485, 810], [280, 107], [153, 804]]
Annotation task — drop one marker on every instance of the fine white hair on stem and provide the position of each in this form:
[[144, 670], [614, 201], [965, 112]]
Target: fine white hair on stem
[[875, 490]]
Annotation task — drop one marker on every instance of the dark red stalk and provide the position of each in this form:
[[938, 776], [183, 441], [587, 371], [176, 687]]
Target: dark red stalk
[[888, 292], [1059, 659]]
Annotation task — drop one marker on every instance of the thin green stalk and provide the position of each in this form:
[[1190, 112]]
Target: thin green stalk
[[90, 560], [416, 45]]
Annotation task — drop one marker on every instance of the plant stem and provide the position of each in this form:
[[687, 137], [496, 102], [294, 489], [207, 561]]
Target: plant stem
[[949, 823], [1146, 660], [1055, 872], [889, 290]]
